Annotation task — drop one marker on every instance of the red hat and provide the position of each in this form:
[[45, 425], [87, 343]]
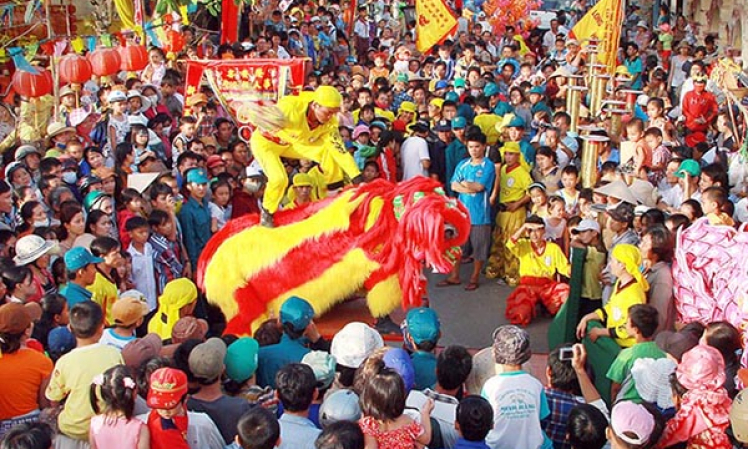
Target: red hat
[[214, 161], [168, 387]]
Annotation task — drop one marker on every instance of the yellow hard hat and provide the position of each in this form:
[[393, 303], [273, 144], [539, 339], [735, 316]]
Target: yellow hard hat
[[328, 97]]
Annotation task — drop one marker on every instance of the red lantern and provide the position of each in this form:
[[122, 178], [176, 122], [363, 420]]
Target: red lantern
[[75, 69], [105, 61], [33, 85], [175, 42], [134, 58]]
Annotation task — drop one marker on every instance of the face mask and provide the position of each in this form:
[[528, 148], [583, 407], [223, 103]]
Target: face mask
[[42, 223], [167, 130], [154, 99], [460, 90], [69, 177]]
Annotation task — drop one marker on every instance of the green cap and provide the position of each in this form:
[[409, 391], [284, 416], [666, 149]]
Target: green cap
[[297, 312], [241, 359], [459, 82], [688, 167], [423, 324]]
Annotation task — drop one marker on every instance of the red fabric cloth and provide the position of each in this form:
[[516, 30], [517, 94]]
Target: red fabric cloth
[[242, 203], [387, 165], [701, 421], [696, 105], [173, 437], [402, 438], [124, 236], [520, 305]]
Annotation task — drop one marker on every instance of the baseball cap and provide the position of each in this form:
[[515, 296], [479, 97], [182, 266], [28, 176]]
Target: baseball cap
[[198, 176], [241, 359], [214, 161], [360, 129], [14, 318], [402, 77], [126, 311], [323, 365], [408, 106], [510, 147], [399, 360], [139, 350], [443, 125], [511, 345], [452, 96], [491, 89], [354, 343], [632, 422], [207, 359], [116, 95], [167, 388], [739, 416], [420, 126], [537, 90], [516, 122], [60, 340], [422, 323], [623, 213], [79, 257], [690, 167], [441, 84], [459, 123], [297, 312], [187, 328], [339, 405], [459, 82], [586, 225], [437, 102]]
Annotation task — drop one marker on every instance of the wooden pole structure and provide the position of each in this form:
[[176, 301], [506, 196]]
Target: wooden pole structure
[[53, 62]]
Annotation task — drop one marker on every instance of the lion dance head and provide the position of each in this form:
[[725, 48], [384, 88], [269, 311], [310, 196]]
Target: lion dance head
[[377, 237]]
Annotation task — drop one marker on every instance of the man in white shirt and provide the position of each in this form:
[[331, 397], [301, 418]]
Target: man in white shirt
[[415, 152], [549, 38]]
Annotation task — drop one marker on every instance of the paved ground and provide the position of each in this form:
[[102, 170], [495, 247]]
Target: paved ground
[[469, 318]]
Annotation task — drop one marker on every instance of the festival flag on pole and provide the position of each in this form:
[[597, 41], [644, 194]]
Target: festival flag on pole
[[602, 23], [434, 22]]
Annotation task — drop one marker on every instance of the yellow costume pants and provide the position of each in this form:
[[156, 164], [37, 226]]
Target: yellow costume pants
[[502, 263], [333, 159]]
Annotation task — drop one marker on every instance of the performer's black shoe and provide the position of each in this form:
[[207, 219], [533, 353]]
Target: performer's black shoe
[[385, 325], [266, 219]]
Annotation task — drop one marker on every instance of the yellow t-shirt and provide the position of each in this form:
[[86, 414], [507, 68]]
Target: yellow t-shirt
[[544, 265], [514, 184], [104, 294], [487, 124], [72, 379], [615, 314]]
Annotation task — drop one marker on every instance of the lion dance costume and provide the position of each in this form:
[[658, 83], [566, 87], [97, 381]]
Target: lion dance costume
[[295, 140], [376, 236]]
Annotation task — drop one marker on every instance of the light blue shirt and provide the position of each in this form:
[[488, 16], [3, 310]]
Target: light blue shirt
[[297, 432]]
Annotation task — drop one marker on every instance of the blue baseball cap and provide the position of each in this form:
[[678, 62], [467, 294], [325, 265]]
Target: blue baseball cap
[[491, 89], [423, 324], [198, 176], [397, 359], [297, 312], [79, 257], [459, 123], [452, 96], [537, 90], [441, 84], [502, 108], [60, 340], [516, 122]]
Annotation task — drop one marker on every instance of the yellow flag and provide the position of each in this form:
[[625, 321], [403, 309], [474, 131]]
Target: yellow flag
[[602, 23], [434, 21]]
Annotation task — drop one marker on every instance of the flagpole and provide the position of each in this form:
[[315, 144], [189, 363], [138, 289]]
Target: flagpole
[[53, 62]]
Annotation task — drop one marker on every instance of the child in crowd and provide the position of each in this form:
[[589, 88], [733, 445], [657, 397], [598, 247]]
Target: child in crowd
[[474, 421], [118, 125], [421, 333], [384, 424], [634, 425], [258, 429], [104, 288], [555, 223], [195, 215], [143, 271], [115, 425], [220, 209], [187, 130], [128, 313], [642, 324], [660, 154], [512, 426], [166, 248], [569, 192], [713, 201], [74, 372], [586, 237], [642, 160], [132, 204], [297, 389], [702, 404], [364, 149], [539, 199]]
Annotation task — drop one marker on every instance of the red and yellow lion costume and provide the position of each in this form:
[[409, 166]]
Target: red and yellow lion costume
[[377, 236]]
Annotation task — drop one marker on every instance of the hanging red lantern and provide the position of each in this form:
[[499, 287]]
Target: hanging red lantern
[[75, 69], [134, 57], [105, 61], [175, 42], [32, 85]]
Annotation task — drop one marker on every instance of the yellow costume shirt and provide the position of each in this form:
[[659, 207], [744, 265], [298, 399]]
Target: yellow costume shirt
[[514, 184], [544, 265], [615, 314], [487, 124], [104, 294]]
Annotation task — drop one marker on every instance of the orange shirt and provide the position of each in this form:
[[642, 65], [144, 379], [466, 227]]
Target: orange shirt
[[21, 375]]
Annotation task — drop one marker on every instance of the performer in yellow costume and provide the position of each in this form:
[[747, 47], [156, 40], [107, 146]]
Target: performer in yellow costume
[[513, 198], [310, 130]]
